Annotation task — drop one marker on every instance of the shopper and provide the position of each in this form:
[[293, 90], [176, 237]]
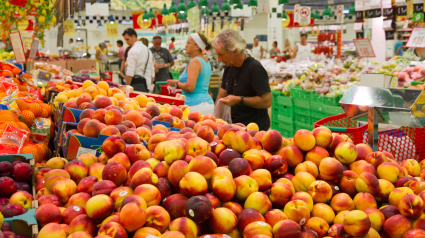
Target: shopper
[[151, 82], [287, 49], [257, 49], [274, 50], [72, 48], [398, 47], [171, 45], [139, 62], [302, 50], [123, 65], [195, 79], [163, 60], [101, 57], [120, 55], [145, 41], [245, 84]]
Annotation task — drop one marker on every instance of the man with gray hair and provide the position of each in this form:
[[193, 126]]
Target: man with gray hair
[[245, 86]]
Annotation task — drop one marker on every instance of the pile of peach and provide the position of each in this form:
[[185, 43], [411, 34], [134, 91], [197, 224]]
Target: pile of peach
[[236, 183]]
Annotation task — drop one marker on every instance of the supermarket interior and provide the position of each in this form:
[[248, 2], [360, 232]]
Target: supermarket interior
[[212, 119]]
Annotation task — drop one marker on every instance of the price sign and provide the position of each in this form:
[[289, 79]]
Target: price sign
[[69, 28], [297, 13], [18, 47], [27, 43], [305, 15], [364, 48], [340, 14], [34, 48], [416, 38], [112, 29]]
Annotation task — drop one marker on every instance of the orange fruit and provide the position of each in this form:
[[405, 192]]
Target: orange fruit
[[35, 108], [6, 73], [8, 118], [16, 71], [23, 126], [6, 112], [43, 149], [44, 113], [21, 104], [28, 116], [34, 150], [23, 88], [48, 109]]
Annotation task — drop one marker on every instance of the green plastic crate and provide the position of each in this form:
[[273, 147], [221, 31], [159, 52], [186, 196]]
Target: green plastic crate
[[297, 92], [300, 125], [286, 111], [283, 120], [333, 110], [318, 98], [287, 133], [275, 125], [301, 106], [158, 85], [302, 118], [315, 119], [276, 94], [332, 100], [414, 83], [285, 101], [175, 74], [317, 109]]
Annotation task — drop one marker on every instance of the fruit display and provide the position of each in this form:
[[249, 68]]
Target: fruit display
[[7, 55]]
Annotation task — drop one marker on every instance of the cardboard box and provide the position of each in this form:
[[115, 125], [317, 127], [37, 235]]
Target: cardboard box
[[60, 63], [24, 224], [77, 145], [76, 65], [61, 138]]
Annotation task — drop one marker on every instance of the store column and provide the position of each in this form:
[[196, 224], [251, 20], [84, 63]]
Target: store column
[[274, 22]]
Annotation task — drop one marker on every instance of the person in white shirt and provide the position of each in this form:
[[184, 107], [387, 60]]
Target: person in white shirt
[[73, 48], [257, 49], [302, 50], [139, 69]]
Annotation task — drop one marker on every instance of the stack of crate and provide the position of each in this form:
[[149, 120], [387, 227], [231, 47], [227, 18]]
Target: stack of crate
[[301, 110]]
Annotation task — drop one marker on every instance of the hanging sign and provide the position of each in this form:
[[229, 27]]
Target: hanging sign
[[68, 27], [389, 35], [387, 8], [364, 48], [340, 14], [305, 15], [18, 47], [401, 9], [27, 43], [112, 29], [34, 48], [359, 35], [297, 13], [416, 38], [373, 9], [359, 6]]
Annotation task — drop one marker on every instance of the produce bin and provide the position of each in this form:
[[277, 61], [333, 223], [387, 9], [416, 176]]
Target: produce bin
[[297, 92]]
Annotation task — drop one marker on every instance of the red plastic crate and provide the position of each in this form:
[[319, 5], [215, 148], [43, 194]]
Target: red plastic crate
[[164, 91]]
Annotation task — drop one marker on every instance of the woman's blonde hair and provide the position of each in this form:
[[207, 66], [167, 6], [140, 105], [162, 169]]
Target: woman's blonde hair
[[287, 41]]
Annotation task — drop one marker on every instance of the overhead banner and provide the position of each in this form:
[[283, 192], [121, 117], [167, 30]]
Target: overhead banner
[[68, 27], [297, 13], [373, 9], [340, 14], [359, 6], [193, 17], [289, 22], [138, 5], [112, 29], [401, 8]]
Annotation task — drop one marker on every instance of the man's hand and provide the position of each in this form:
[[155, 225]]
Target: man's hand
[[231, 100]]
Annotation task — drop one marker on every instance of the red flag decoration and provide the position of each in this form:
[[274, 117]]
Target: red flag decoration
[[290, 21], [139, 23], [26, 25], [20, 3]]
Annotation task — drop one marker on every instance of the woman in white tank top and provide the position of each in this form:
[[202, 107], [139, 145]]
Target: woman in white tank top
[[257, 50], [302, 50]]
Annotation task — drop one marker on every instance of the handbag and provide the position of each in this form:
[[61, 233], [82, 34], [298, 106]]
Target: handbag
[[139, 82]]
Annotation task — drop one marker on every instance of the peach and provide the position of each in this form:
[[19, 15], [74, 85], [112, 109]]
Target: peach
[[83, 99], [149, 193], [316, 155], [166, 117], [376, 158], [99, 115], [323, 211], [171, 151], [304, 140], [119, 194], [347, 183], [286, 228], [143, 176], [112, 229], [95, 170], [222, 221], [331, 169], [49, 199], [206, 133], [342, 202], [139, 201], [103, 158], [320, 191], [280, 194], [271, 140], [113, 117], [336, 139], [175, 205], [258, 201], [415, 233], [376, 218], [292, 154], [276, 165], [137, 152], [223, 129], [164, 186], [64, 189], [223, 187], [409, 182], [198, 209], [263, 178], [356, 223], [87, 113], [157, 218], [208, 122], [22, 198], [193, 184], [99, 207], [367, 183], [161, 169], [256, 229], [245, 185], [86, 184], [309, 167], [303, 196], [131, 137], [195, 116], [113, 145], [85, 105], [396, 226], [132, 217], [362, 151], [389, 211], [239, 166], [255, 158], [56, 163], [389, 171], [236, 208], [52, 230], [297, 211], [177, 171], [339, 218], [346, 152], [79, 199], [397, 194], [88, 159], [241, 141], [40, 174], [318, 225], [384, 190], [176, 112], [103, 187], [173, 234], [323, 136], [412, 167], [144, 133], [82, 223], [227, 155], [411, 206], [274, 216], [153, 110], [228, 136], [48, 213], [362, 166], [80, 234], [92, 128], [115, 172], [185, 226], [363, 201], [77, 170], [302, 181], [155, 140], [248, 216]]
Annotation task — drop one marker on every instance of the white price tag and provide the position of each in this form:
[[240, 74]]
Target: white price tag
[[364, 48], [359, 5], [416, 38], [82, 151], [387, 24], [358, 26], [386, 4], [18, 48], [34, 48]]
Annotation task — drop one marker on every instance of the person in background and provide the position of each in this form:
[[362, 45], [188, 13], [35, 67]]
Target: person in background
[[72, 48], [302, 50], [124, 63], [195, 79], [171, 45], [100, 57], [120, 55], [287, 49], [257, 49], [139, 62], [151, 82], [163, 60], [145, 41], [274, 50], [245, 84], [398, 47], [247, 51]]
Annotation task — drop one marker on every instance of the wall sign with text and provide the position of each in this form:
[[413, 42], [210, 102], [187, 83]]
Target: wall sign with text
[[364, 48]]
